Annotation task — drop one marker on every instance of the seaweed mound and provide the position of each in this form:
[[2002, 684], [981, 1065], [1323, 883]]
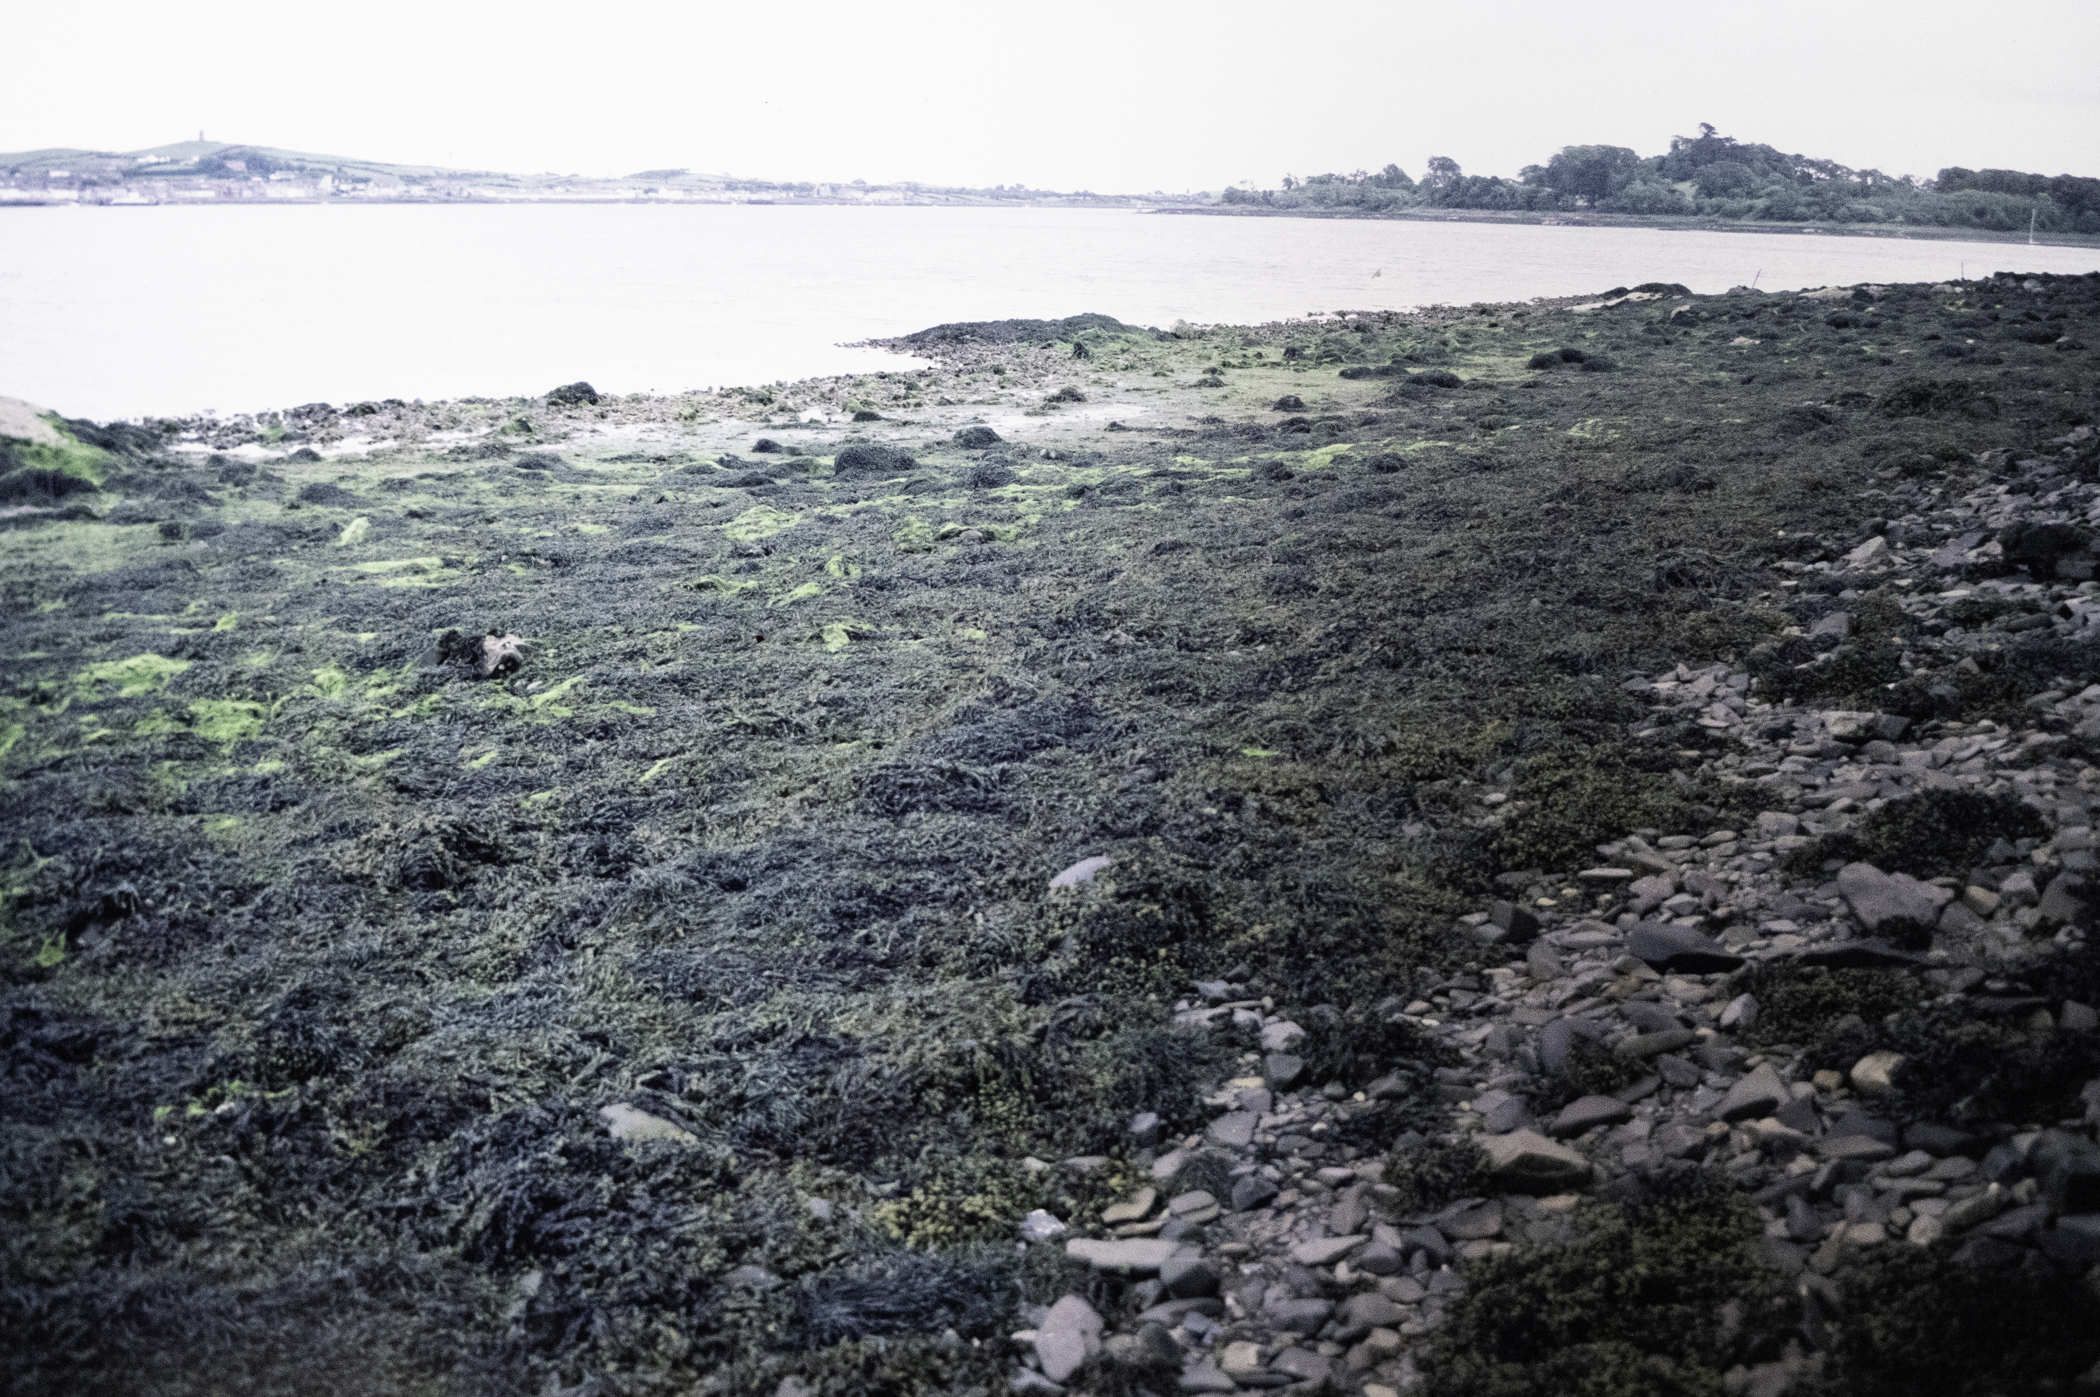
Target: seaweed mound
[[41, 486], [871, 461], [1015, 331], [577, 394]]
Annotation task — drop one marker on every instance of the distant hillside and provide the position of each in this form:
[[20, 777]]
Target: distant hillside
[[220, 171], [1710, 176]]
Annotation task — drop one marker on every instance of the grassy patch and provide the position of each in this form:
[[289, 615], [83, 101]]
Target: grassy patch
[[132, 678]]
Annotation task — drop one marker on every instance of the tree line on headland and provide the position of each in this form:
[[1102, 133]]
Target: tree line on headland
[[1712, 176]]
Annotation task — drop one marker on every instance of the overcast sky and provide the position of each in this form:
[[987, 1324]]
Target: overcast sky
[[1121, 96]]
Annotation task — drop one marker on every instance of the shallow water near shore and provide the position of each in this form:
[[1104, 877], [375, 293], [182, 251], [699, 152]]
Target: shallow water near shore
[[131, 312]]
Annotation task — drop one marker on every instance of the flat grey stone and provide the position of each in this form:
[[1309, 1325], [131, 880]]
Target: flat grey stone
[[1755, 1096], [1864, 1148], [1137, 1256], [1646, 1045], [1251, 1191], [1678, 1072], [1430, 1241], [1370, 1310], [1876, 897], [1068, 1336], [1171, 1312], [1651, 892], [1349, 1213], [1281, 1037], [1589, 1112], [1379, 1260], [1298, 1316], [1525, 1161], [1303, 1364], [1799, 1114], [2066, 898], [1205, 1377], [1325, 1251], [1391, 1087], [1680, 948], [1233, 1131], [1975, 1210], [1406, 1291], [1860, 953], [1475, 1224], [1851, 724], [1283, 1070], [1650, 1017], [1509, 1113], [1187, 1276]]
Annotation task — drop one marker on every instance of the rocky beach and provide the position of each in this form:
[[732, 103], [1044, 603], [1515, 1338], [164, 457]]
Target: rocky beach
[[1503, 849]]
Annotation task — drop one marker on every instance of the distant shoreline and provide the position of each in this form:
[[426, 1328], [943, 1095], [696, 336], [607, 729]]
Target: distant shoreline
[[1106, 202], [1659, 222]]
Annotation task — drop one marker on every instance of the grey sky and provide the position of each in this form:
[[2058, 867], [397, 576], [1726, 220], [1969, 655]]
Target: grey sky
[[1118, 97]]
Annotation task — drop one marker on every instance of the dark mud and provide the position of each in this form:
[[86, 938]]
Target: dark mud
[[324, 955]]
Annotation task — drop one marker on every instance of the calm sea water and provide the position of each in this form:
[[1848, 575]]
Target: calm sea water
[[129, 312]]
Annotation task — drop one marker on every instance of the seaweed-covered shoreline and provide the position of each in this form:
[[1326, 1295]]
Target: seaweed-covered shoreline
[[687, 1008]]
